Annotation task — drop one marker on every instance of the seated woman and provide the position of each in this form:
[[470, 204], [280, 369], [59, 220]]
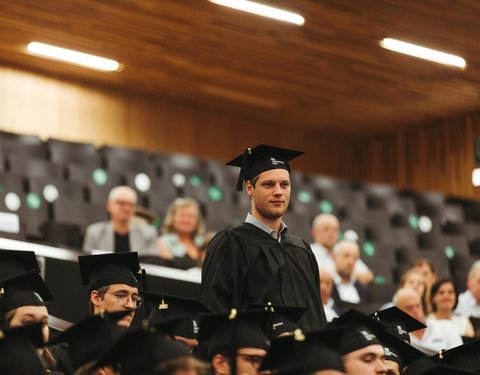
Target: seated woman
[[182, 230], [444, 299]]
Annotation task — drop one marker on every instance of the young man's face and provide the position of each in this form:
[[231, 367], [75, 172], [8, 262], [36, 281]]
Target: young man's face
[[271, 194], [118, 297], [365, 361]]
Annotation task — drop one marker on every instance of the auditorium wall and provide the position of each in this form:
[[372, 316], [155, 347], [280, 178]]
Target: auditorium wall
[[437, 156]]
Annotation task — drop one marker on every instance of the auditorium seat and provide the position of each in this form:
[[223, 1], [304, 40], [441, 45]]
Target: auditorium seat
[[13, 183], [93, 176], [325, 183], [430, 203], [221, 174], [353, 231], [20, 165], [73, 152], [377, 222], [52, 188], [303, 201], [29, 146], [299, 225], [378, 196], [120, 159]]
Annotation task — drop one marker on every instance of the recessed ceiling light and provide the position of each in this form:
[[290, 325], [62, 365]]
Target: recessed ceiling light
[[422, 52], [74, 57], [262, 10]]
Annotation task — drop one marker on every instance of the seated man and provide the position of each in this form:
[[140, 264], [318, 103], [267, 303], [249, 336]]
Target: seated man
[[332, 310], [469, 301], [120, 234], [439, 334], [234, 339], [113, 281], [347, 288], [325, 230]]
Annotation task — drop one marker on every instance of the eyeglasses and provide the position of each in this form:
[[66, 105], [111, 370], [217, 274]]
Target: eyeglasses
[[125, 203], [123, 298], [254, 360]]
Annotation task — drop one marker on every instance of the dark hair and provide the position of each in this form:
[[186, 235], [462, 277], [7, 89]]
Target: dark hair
[[421, 261], [101, 292], [437, 286], [184, 363]]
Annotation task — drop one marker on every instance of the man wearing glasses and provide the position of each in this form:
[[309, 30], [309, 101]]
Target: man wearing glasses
[[120, 235], [113, 281]]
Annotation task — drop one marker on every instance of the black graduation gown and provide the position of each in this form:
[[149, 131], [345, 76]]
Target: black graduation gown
[[246, 265]]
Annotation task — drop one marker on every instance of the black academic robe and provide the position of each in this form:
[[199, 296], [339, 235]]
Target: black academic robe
[[246, 265]]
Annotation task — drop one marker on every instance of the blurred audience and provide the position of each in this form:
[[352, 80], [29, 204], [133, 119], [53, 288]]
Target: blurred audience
[[414, 279], [444, 299], [325, 230], [203, 247], [439, 334], [326, 287], [346, 287], [469, 301], [427, 269], [119, 234], [182, 231]]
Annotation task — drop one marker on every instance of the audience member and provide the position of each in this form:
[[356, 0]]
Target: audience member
[[413, 279], [427, 269], [346, 288], [119, 234], [325, 231], [326, 288], [444, 299], [439, 334], [469, 301], [182, 231], [113, 281]]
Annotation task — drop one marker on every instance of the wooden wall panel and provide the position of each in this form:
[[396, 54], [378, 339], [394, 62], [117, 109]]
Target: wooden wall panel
[[35, 104], [433, 157]]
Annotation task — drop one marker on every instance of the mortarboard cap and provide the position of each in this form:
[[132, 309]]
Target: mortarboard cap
[[426, 366], [18, 355], [280, 319], [107, 269], [260, 159], [305, 353], [164, 306], [26, 289], [360, 333], [227, 332], [466, 356], [399, 322], [14, 262], [142, 350], [91, 337]]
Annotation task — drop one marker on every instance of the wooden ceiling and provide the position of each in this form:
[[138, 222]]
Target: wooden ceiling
[[328, 74]]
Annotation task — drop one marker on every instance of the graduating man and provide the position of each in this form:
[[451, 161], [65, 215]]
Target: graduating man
[[260, 261]]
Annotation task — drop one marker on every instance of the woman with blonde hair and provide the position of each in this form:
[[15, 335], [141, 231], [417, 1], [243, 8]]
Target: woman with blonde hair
[[414, 279], [182, 230]]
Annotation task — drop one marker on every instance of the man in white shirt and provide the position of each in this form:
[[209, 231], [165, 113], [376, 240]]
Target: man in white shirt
[[469, 301], [347, 288], [325, 229], [439, 334]]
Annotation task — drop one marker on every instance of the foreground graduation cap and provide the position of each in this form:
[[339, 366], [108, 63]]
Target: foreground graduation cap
[[26, 289], [466, 356], [91, 337], [280, 319], [14, 262], [18, 355], [167, 306], [305, 353], [260, 159], [225, 333], [140, 351], [425, 366], [106, 269], [399, 322]]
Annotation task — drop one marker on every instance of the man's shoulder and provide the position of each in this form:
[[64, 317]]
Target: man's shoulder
[[294, 240], [96, 227], [145, 229]]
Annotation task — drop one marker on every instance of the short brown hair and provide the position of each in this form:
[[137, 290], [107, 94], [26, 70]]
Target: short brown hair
[[101, 292]]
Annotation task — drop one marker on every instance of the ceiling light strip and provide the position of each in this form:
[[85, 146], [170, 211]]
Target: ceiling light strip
[[262, 10], [84, 59], [423, 53]]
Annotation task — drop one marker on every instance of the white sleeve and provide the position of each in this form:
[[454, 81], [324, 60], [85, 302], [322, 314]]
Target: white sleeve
[[360, 267]]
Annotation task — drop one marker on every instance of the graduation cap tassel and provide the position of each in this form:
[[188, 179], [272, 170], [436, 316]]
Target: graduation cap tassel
[[234, 342], [143, 274], [241, 176]]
